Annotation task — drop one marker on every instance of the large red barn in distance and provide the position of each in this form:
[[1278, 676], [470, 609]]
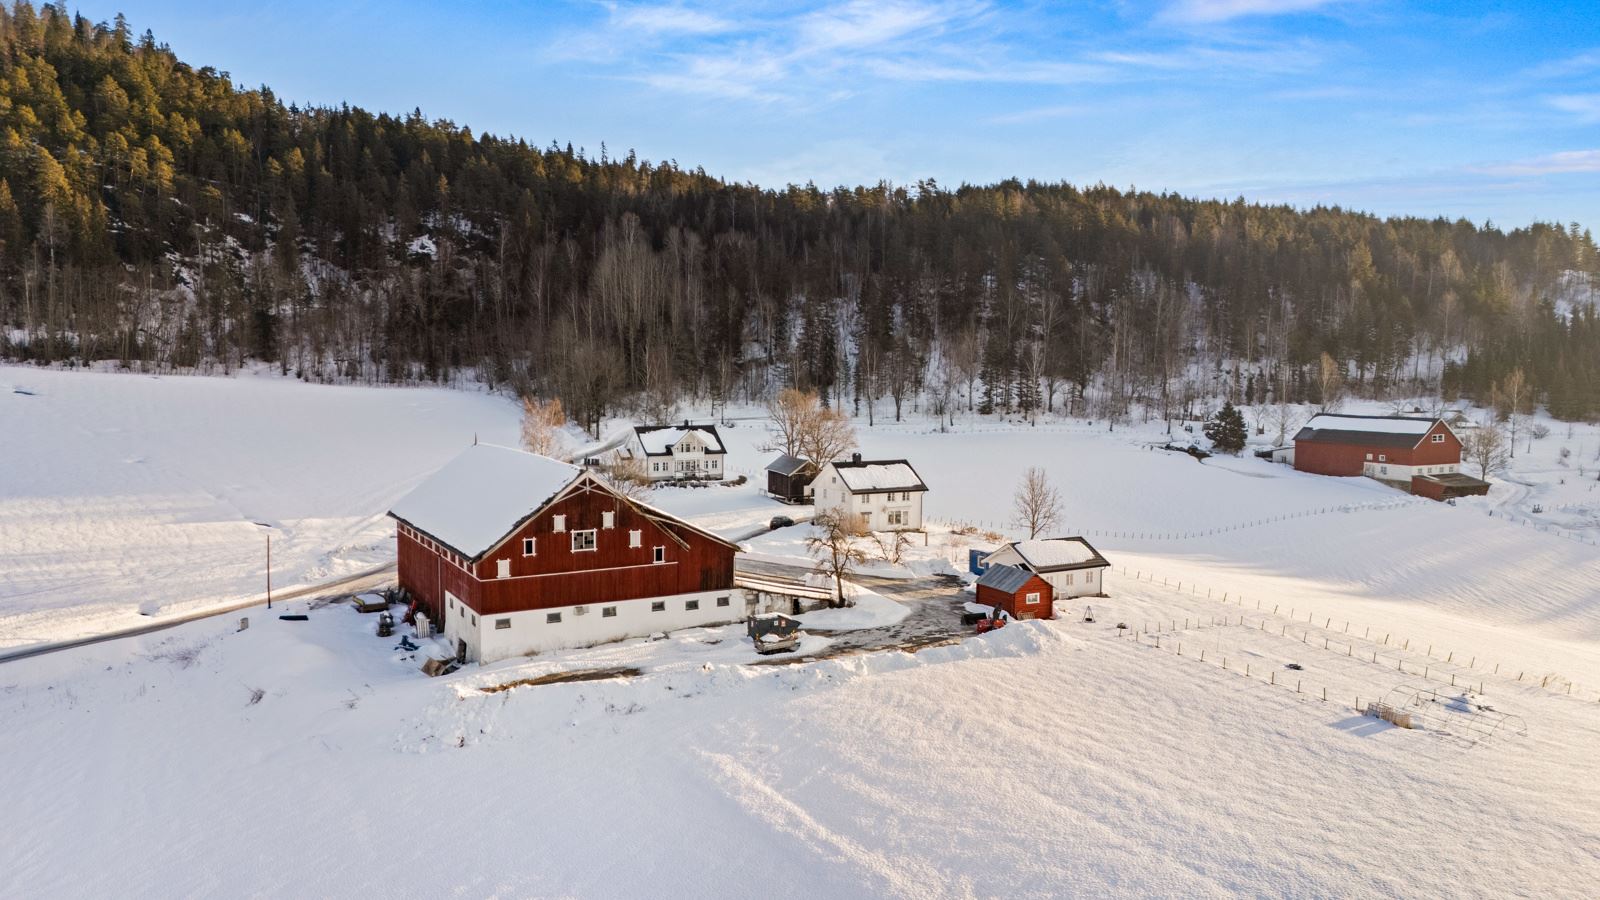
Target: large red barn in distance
[[1418, 455], [510, 553]]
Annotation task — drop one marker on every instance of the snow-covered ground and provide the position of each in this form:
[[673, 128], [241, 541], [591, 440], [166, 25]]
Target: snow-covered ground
[[1045, 759]]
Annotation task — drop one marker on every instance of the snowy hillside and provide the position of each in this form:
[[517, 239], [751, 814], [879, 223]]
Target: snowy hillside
[[1046, 759]]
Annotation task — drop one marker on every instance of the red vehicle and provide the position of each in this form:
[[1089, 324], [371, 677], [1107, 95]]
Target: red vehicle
[[986, 625]]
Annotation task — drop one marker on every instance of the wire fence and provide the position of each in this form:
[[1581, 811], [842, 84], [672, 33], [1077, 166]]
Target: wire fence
[[1001, 527], [1430, 661]]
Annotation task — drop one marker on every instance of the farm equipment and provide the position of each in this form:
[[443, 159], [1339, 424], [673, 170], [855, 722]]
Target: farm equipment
[[370, 602], [991, 623], [774, 633]]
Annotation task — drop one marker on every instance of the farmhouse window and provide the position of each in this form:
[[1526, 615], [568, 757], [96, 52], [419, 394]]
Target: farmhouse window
[[527, 546], [501, 624], [635, 538], [1069, 578], [722, 601], [897, 517], [1438, 439], [658, 606], [660, 555], [608, 519], [608, 612], [583, 540], [1032, 598], [504, 568], [691, 605], [552, 618]]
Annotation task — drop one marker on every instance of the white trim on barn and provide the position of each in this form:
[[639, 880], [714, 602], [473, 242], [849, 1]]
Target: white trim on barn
[[533, 631]]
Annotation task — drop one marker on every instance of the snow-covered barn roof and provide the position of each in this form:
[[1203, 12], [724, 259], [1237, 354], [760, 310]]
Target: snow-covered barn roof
[[1005, 578], [480, 496], [657, 440], [788, 465], [1058, 554], [1386, 431], [873, 476]]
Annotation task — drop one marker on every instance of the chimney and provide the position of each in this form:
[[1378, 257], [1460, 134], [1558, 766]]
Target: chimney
[[855, 457]]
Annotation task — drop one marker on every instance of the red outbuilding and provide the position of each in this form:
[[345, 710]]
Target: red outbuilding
[[1017, 592], [508, 553], [1413, 454]]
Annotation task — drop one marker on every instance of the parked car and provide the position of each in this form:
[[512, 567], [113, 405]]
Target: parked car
[[780, 522]]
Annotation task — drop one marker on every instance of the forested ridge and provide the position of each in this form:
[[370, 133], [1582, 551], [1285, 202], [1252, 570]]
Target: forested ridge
[[156, 214]]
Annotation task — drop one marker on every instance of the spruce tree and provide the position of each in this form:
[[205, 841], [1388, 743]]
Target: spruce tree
[[1226, 429]]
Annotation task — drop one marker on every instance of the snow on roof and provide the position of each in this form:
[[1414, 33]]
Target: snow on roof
[[478, 497], [1372, 424], [864, 477], [1049, 554], [657, 439], [787, 465], [1002, 577]]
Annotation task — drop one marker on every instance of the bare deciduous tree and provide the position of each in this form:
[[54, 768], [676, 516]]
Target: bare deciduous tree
[[1283, 418], [788, 411], [1485, 447], [542, 422], [1330, 380], [809, 430], [627, 476], [835, 542], [1513, 397], [1037, 505]]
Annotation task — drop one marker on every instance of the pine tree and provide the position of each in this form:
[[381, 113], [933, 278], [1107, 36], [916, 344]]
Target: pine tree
[[1227, 429]]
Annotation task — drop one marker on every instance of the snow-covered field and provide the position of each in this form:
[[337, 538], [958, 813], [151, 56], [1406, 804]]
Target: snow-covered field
[[1045, 759]]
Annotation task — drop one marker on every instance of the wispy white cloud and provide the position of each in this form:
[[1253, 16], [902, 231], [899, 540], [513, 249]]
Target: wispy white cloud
[[1566, 162], [1576, 64], [667, 19], [1040, 114], [1204, 11], [1585, 107]]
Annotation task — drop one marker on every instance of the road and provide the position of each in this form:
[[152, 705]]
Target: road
[[936, 604], [380, 576]]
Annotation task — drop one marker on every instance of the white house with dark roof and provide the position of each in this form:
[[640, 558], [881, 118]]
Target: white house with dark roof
[[679, 452], [879, 494], [1070, 565]]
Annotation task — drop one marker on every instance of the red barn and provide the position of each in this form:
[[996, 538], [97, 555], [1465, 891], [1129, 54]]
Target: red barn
[[1018, 592], [510, 553], [1413, 454]]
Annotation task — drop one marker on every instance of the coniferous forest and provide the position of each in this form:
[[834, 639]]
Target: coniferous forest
[[157, 216]]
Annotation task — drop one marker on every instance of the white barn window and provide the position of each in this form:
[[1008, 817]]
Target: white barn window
[[527, 546], [608, 519], [501, 624], [559, 523], [552, 618], [503, 568], [583, 541], [635, 538], [660, 555]]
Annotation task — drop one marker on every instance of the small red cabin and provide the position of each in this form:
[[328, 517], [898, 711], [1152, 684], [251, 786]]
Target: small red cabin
[[1017, 592]]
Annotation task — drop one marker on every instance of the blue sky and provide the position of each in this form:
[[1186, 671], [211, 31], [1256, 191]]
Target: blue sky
[[1483, 110]]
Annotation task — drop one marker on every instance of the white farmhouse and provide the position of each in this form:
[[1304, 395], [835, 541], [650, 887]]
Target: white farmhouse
[[679, 452], [1072, 566], [882, 494]]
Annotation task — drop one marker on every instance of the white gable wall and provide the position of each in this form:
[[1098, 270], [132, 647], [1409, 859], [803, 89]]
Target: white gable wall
[[830, 495]]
